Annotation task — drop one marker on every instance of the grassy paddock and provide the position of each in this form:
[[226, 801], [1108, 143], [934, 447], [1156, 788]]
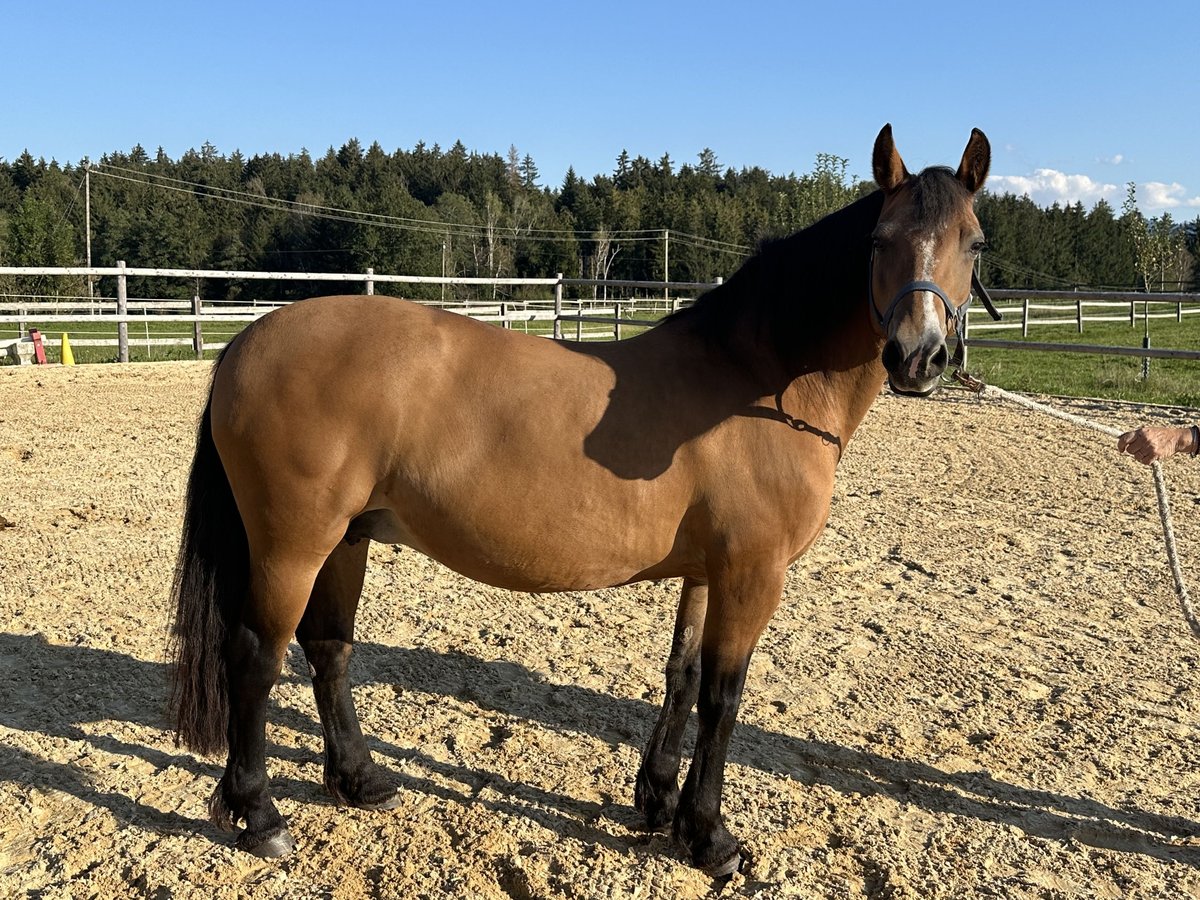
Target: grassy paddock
[[1174, 382]]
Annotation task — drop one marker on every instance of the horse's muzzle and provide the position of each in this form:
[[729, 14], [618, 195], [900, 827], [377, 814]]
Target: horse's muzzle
[[915, 373]]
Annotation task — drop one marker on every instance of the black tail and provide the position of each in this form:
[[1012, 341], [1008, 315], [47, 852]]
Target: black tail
[[211, 576]]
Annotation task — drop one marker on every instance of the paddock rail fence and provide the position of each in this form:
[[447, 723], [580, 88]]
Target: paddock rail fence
[[586, 309], [579, 308], [1025, 309]]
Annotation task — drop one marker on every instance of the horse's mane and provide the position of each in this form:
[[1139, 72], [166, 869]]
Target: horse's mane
[[802, 288], [799, 287]]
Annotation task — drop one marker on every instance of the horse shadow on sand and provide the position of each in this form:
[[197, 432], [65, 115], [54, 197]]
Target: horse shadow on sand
[[57, 690]]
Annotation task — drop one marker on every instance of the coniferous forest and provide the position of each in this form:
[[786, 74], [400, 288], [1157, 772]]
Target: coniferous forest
[[432, 211]]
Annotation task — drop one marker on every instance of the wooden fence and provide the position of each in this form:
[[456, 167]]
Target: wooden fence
[[1070, 308], [580, 308], [611, 304], [1021, 310]]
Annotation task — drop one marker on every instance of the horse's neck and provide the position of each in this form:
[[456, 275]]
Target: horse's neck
[[794, 324], [840, 380], [833, 371]]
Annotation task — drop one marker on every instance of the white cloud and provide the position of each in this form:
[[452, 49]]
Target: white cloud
[[1155, 195], [1047, 186], [1112, 160]]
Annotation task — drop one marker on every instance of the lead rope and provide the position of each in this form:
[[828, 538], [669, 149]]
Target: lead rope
[[1160, 485]]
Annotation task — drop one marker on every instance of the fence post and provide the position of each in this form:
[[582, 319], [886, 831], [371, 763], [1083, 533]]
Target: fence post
[[558, 295], [1132, 314], [1079, 316], [504, 323], [1025, 317], [370, 281], [122, 312], [616, 319], [197, 330], [1179, 311]]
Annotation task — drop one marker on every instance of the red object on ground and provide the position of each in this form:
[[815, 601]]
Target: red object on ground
[[39, 352]]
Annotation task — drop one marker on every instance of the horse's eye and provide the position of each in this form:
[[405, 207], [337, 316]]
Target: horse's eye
[[878, 244], [978, 247]]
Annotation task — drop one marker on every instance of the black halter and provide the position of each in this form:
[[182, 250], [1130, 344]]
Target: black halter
[[954, 314]]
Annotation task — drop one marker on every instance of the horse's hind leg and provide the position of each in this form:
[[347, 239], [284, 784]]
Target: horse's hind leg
[[657, 791], [326, 634], [280, 584]]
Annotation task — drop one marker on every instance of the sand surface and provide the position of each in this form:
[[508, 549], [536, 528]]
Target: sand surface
[[979, 683]]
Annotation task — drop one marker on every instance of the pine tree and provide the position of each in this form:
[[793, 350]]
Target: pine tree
[[621, 174], [528, 172]]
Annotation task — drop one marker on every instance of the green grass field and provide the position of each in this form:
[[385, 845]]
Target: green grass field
[[1172, 382]]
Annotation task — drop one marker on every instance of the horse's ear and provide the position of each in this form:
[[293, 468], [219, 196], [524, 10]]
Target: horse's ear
[[886, 163], [977, 158]]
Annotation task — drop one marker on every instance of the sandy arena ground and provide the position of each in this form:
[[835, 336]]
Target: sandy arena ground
[[979, 684]]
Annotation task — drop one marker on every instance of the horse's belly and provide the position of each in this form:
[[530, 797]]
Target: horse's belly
[[553, 555]]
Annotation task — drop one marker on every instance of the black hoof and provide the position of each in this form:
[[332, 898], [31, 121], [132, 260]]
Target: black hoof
[[717, 854], [723, 872], [277, 844], [390, 801], [375, 791]]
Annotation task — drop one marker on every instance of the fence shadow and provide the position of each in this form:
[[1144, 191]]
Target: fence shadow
[[56, 690]]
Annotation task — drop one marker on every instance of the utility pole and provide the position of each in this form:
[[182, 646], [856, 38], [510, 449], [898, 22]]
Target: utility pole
[[666, 264], [87, 215]]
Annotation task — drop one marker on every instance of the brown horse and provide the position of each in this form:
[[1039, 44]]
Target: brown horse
[[703, 449]]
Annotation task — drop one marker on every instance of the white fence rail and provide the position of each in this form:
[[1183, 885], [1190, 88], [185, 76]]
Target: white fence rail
[[1069, 308], [604, 307], [602, 315], [1023, 309]]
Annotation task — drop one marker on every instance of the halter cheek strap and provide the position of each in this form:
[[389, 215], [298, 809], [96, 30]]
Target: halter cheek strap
[[982, 294]]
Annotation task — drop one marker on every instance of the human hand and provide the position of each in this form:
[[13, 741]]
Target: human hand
[[1153, 442]]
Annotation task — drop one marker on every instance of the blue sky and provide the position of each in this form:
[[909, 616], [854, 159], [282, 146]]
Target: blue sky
[[1077, 98]]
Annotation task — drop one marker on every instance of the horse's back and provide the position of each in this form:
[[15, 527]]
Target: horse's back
[[372, 359]]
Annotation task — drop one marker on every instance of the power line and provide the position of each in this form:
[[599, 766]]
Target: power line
[[233, 195], [1017, 269], [425, 226], [71, 205]]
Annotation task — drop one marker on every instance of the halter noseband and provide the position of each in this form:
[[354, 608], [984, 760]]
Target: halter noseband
[[955, 314]]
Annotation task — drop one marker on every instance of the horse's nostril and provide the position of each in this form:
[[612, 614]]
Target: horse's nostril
[[891, 356], [939, 360]]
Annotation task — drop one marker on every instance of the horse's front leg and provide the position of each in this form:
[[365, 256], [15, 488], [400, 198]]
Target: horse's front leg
[[657, 792], [741, 601]]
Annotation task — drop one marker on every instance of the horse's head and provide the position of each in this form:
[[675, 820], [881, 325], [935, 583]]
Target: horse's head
[[924, 251]]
